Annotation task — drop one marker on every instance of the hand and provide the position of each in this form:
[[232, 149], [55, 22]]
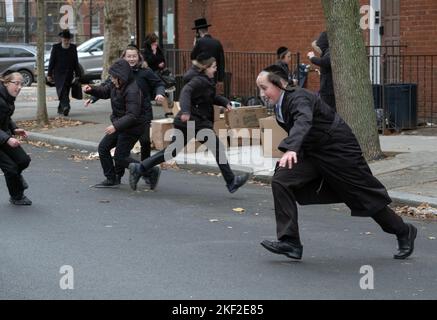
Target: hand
[[20, 132], [87, 88], [110, 130], [161, 65], [311, 54], [159, 98], [87, 102], [228, 108], [185, 117], [49, 79], [12, 142], [288, 158]]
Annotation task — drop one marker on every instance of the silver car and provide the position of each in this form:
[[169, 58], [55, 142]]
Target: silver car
[[90, 54], [20, 58]]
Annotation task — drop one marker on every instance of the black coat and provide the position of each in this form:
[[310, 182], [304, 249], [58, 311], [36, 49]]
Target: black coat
[[150, 85], [63, 63], [318, 134], [324, 62], [197, 98], [153, 60], [7, 108], [128, 114], [214, 48]]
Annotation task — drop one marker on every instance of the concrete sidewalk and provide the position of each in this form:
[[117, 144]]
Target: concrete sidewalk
[[410, 176]]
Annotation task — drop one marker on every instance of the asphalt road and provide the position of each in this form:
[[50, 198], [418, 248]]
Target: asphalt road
[[184, 241]]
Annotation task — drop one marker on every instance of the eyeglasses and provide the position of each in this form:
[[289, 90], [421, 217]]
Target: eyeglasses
[[18, 83]]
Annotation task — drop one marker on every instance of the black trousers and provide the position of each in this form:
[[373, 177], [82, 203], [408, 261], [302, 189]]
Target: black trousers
[[330, 100], [213, 144], [287, 185], [123, 144], [12, 162], [64, 97], [145, 143]]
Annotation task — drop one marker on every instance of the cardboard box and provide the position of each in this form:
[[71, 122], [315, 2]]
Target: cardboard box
[[271, 136], [245, 117], [162, 130], [176, 108], [244, 137]]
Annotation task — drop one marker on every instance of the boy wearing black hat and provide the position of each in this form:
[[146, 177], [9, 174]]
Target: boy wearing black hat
[[206, 44], [62, 65]]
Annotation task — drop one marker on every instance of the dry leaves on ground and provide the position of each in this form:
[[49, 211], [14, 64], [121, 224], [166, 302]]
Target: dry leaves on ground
[[58, 122], [424, 211], [83, 157]]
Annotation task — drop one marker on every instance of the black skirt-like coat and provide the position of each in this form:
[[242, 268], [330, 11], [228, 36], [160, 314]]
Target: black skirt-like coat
[[318, 134]]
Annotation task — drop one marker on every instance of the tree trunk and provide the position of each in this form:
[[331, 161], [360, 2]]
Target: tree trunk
[[41, 113], [350, 68], [117, 31]]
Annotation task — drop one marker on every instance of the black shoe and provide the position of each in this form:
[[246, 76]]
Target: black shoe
[[406, 243], [168, 115], [238, 182], [60, 110], [23, 201], [134, 175], [108, 183], [66, 111], [284, 247], [23, 183], [155, 172]]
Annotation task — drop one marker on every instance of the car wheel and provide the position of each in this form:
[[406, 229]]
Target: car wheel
[[27, 78]]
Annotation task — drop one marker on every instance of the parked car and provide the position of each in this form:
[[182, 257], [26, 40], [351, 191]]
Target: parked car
[[90, 54], [20, 58]]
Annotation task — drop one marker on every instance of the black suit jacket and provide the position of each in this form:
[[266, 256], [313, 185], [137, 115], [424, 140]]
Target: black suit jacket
[[213, 47]]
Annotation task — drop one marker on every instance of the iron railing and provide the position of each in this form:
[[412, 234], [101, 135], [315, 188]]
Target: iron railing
[[418, 70], [241, 70]]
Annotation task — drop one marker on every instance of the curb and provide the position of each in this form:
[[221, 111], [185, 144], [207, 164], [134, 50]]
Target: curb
[[397, 196], [65, 142], [411, 199]]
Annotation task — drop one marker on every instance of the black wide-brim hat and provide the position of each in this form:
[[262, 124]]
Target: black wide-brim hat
[[200, 24], [65, 34]]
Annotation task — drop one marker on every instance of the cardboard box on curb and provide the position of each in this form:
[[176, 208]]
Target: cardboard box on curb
[[271, 136], [245, 117], [161, 133]]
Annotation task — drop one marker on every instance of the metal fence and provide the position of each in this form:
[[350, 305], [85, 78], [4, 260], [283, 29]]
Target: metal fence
[[241, 70], [390, 70]]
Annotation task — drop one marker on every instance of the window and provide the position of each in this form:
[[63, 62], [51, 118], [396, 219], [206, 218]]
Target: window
[[4, 53], [21, 53]]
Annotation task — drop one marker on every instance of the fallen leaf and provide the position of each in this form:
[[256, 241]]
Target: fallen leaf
[[213, 220], [239, 210], [104, 201], [431, 238]]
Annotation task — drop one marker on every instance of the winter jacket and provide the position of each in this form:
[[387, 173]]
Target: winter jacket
[[153, 60], [198, 97], [128, 113], [7, 108], [324, 62]]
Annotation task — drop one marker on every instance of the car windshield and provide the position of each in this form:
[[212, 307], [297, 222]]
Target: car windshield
[[87, 46]]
